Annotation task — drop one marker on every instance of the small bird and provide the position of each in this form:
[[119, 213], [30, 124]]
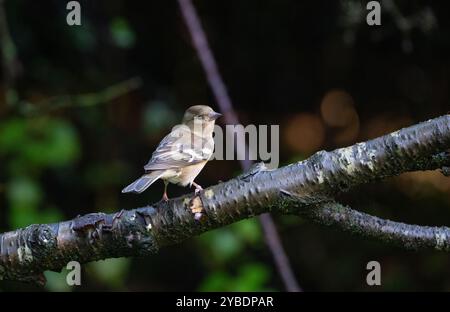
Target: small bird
[[182, 154]]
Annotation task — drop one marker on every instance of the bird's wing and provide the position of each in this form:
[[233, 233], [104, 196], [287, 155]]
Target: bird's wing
[[180, 148]]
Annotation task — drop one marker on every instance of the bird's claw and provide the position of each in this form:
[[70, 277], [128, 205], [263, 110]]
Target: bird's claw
[[198, 190]]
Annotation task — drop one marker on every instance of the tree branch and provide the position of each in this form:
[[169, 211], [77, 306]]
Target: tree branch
[[408, 236], [106, 95], [305, 188]]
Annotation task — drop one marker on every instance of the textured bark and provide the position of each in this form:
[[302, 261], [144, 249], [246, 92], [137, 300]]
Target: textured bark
[[305, 188], [408, 236]]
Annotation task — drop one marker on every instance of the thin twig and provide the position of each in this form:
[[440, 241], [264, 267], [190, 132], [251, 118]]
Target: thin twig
[[82, 100], [226, 107]]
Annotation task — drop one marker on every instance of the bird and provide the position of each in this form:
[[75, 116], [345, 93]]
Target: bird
[[182, 154]]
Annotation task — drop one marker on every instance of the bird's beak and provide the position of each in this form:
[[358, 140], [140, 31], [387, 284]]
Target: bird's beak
[[214, 115]]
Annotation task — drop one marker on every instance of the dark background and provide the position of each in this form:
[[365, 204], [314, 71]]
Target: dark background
[[74, 129]]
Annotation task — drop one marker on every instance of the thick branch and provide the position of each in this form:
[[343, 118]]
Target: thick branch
[[26, 253], [408, 236]]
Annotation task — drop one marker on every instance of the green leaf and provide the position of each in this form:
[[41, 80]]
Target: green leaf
[[57, 281], [53, 144], [216, 281], [249, 230], [83, 38], [158, 116], [100, 175], [122, 34], [252, 277], [111, 272], [49, 215], [24, 195], [223, 243], [12, 135]]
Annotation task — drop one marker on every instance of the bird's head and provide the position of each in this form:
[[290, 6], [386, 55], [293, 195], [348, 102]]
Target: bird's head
[[201, 113]]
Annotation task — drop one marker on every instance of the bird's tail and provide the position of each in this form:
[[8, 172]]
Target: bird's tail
[[143, 182]]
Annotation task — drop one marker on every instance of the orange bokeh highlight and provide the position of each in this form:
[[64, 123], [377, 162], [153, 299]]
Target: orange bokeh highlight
[[305, 133]]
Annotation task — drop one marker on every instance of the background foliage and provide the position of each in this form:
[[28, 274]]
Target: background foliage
[[89, 104]]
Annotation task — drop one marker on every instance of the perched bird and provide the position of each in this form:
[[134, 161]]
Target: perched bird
[[182, 154]]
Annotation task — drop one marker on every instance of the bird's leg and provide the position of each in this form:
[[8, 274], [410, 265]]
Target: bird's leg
[[165, 197], [198, 188]]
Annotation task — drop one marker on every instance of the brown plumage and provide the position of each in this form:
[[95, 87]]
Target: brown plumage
[[182, 154]]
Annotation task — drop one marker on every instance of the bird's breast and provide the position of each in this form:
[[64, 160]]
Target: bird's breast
[[187, 174]]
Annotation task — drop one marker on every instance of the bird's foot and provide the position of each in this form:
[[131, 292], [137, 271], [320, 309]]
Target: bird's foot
[[165, 197], [198, 188]]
